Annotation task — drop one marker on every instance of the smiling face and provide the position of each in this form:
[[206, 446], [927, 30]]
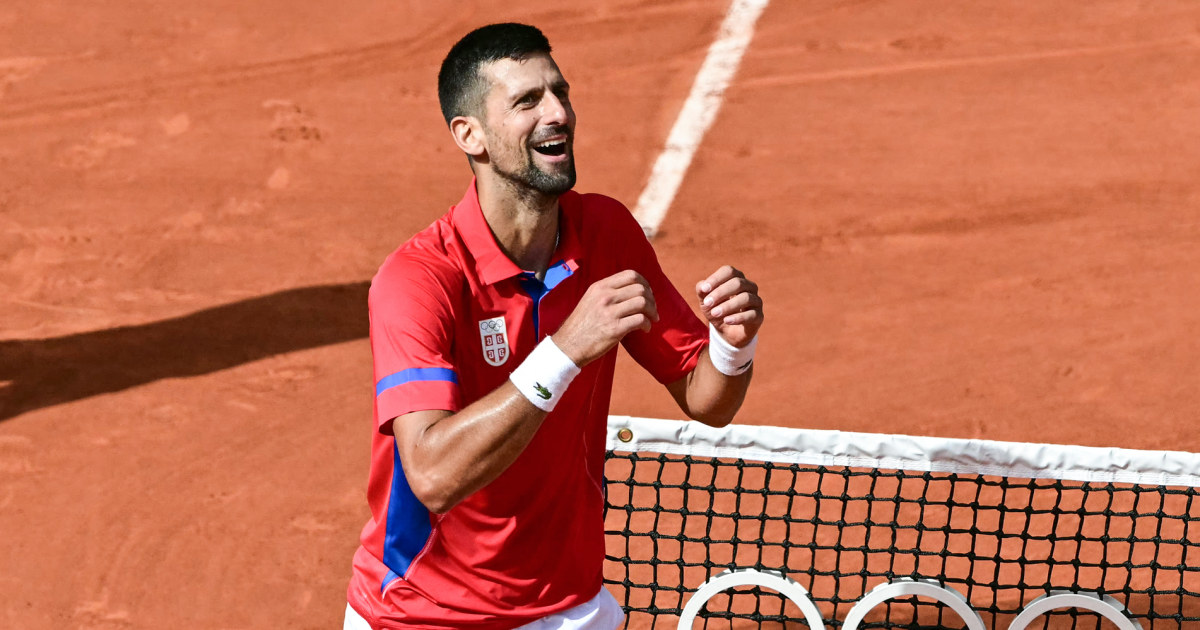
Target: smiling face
[[528, 124]]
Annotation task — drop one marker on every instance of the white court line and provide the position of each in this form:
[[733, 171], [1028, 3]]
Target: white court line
[[698, 114]]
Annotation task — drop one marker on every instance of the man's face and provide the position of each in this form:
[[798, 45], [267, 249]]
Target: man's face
[[529, 124]]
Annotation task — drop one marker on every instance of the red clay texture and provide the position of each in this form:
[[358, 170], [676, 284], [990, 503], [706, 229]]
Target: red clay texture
[[967, 220]]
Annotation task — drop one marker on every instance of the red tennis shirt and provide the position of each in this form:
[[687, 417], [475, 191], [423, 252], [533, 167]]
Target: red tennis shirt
[[451, 317]]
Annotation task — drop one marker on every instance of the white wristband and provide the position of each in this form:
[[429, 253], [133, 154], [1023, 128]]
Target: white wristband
[[729, 360], [544, 375]]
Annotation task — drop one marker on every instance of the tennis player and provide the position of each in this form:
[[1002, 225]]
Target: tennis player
[[494, 334]]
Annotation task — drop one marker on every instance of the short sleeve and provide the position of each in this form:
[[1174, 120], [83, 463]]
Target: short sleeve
[[412, 334], [670, 350]]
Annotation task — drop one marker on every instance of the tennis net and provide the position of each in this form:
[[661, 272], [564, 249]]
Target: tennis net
[[803, 528]]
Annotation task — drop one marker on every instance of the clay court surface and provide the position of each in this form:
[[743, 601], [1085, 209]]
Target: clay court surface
[[967, 219]]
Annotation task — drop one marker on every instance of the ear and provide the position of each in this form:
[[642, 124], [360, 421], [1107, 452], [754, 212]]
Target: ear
[[468, 135]]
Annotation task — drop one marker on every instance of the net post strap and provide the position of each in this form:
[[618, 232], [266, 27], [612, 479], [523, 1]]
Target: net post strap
[[904, 452]]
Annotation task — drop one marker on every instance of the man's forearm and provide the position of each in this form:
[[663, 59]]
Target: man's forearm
[[709, 396], [714, 391], [447, 457]]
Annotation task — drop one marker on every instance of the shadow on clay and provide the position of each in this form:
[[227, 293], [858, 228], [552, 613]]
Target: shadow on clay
[[37, 373]]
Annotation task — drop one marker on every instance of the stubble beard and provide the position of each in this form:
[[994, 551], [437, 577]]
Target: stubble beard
[[530, 178], [549, 183], [533, 179]]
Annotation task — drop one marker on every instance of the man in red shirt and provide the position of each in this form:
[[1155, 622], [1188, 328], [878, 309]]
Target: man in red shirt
[[493, 333]]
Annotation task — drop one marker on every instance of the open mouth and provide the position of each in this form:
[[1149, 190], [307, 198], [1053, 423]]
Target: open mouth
[[551, 148]]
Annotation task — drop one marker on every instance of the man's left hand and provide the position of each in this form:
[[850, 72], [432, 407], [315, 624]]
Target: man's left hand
[[731, 304]]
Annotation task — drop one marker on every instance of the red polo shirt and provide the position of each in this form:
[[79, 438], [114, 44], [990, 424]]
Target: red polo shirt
[[451, 317]]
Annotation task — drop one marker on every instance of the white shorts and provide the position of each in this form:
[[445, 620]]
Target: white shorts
[[601, 612]]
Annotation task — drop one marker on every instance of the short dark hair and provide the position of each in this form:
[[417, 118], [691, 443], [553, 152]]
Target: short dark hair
[[459, 84]]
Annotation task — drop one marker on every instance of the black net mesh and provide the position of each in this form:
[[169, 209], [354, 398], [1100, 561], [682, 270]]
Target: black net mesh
[[674, 521]]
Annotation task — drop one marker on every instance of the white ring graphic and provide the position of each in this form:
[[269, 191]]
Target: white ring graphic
[[1102, 605], [906, 587], [750, 577]]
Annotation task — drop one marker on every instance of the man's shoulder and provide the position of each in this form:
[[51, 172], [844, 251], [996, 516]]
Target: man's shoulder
[[602, 215], [597, 202], [428, 258]]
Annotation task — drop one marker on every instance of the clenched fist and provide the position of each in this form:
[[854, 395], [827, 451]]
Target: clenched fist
[[731, 304], [610, 309]]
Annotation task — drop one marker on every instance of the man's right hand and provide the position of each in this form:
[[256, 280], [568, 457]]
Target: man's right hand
[[610, 309]]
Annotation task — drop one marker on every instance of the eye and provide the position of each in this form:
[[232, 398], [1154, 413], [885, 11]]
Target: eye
[[528, 100]]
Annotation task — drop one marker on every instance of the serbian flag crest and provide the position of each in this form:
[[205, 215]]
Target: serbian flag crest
[[494, 336]]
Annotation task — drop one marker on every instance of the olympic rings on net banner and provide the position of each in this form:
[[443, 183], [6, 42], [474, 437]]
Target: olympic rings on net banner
[[1103, 605]]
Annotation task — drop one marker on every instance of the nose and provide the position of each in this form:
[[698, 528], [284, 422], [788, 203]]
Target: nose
[[556, 111]]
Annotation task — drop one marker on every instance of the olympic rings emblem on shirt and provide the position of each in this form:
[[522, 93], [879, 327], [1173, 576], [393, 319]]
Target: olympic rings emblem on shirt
[[493, 335]]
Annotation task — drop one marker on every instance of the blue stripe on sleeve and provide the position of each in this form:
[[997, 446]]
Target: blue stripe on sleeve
[[412, 375]]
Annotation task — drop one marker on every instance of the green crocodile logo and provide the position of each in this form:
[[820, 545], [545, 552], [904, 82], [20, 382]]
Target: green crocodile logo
[[542, 392]]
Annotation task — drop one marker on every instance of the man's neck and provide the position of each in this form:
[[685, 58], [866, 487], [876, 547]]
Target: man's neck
[[524, 223]]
